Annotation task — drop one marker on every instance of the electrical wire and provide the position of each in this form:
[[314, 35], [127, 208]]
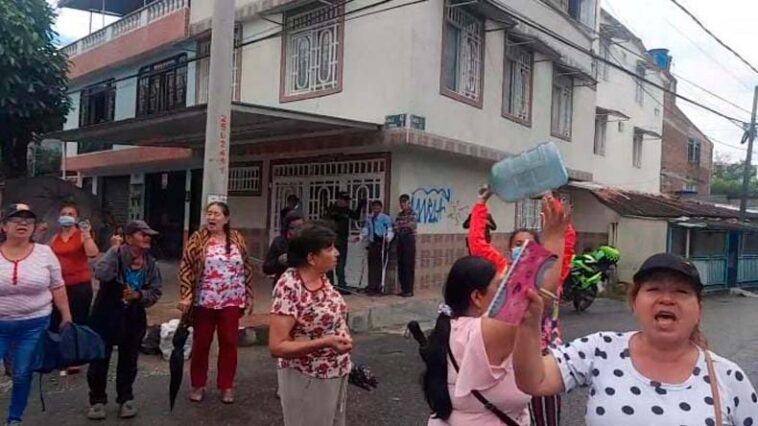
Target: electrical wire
[[530, 23], [714, 36], [686, 80], [252, 41]]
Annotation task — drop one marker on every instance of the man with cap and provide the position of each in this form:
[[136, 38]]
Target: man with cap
[[130, 281], [340, 215]]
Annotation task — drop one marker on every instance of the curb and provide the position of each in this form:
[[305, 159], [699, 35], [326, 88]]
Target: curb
[[362, 321]]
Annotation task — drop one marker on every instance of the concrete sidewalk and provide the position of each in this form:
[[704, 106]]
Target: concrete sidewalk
[[365, 313]]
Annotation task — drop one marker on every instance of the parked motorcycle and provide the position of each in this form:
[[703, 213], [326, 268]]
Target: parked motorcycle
[[588, 272]]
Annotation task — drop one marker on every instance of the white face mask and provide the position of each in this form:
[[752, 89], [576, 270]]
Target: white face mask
[[516, 251], [66, 221]]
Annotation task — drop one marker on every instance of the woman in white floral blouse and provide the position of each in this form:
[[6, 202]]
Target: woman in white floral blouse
[[309, 333]]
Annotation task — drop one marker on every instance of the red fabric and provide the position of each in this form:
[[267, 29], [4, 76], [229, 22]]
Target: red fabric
[[206, 322], [477, 241], [73, 259], [569, 249]]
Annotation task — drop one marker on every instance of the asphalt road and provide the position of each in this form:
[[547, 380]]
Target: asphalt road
[[729, 323]]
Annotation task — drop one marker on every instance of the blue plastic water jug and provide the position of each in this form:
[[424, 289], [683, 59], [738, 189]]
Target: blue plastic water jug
[[528, 174]]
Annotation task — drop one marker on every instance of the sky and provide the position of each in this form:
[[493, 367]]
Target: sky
[[700, 59], [660, 24]]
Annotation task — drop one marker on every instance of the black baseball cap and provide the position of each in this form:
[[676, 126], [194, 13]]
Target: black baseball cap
[[18, 210], [669, 262], [139, 226]]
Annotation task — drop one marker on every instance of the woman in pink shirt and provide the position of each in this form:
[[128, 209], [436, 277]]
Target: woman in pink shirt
[[469, 378]]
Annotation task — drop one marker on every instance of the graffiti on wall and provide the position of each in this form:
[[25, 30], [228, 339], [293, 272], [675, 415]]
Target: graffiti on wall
[[431, 204], [457, 212]]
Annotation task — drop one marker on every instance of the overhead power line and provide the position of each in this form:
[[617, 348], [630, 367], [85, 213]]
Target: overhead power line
[[714, 36], [530, 23]]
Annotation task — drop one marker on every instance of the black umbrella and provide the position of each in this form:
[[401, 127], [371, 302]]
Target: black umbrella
[[176, 361], [46, 195]]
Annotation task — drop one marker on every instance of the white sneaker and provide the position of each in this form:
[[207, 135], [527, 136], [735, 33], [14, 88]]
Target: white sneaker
[[128, 410], [96, 412]]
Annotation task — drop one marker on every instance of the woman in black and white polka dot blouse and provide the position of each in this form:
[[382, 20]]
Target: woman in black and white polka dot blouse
[[659, 375]]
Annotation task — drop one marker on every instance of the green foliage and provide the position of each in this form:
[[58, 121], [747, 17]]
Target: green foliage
[[727, 178], [33, 81]]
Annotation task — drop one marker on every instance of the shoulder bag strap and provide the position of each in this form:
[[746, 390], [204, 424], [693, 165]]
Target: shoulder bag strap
[[714, 387], [478, 395]]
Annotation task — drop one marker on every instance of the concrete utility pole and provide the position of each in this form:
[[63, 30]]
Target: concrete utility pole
[[219, 124], [746, 173]]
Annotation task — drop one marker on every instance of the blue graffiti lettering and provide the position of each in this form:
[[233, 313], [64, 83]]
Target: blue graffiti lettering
[[431, 204]]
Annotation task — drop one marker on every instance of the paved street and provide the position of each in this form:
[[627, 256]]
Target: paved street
[[398, 401]]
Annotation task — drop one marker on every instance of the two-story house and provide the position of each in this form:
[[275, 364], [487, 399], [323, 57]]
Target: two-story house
[[374, 98]]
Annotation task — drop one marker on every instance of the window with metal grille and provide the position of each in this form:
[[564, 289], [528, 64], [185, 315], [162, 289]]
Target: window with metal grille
[[313, 51], [529, 214], [245, 179], [462, 55], [639, 92], [637, 150], [693, 151], [97, 104], [162, 86], [204, 68], [563, 105], [517, 81]]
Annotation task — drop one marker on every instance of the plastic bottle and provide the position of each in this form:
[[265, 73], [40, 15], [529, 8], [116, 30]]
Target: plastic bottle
[[528, 174]]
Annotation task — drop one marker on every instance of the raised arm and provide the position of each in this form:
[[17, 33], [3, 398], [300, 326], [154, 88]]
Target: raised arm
[[477, 240], [536, 375]]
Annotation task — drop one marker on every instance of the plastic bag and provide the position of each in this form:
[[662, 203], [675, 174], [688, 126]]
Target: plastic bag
[[167, 334]]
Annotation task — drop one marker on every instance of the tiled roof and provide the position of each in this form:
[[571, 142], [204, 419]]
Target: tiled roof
[[630, 203]]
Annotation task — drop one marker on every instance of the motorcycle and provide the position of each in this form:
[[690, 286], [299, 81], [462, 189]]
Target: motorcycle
[[588, 272]]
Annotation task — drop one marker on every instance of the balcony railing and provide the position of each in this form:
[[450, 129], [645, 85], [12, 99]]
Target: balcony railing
[[138, 19]]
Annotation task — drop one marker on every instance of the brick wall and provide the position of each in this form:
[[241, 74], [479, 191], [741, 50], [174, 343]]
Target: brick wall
[[676, 170]]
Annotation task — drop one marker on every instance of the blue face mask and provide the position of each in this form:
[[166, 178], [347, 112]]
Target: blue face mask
[[516, 251], [66, 221]]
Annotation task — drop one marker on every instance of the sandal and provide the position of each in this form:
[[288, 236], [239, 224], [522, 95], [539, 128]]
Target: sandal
[[227, 396], [197, 395]]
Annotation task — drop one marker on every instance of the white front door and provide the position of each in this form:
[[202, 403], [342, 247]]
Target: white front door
[[317, 185]]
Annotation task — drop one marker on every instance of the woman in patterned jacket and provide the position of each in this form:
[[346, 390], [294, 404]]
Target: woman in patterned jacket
[[216, 288]]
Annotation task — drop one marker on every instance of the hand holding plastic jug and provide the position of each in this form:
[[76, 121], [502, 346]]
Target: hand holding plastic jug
[[529, 174]]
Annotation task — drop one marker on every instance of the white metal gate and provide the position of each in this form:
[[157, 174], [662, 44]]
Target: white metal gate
[[317, 185]]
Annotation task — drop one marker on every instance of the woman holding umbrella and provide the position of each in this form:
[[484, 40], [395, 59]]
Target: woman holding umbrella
[[216, 278], [30, 283], [309, 333], [74, 247]]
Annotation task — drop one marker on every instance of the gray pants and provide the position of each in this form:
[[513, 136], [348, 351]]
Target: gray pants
[[308, 401]]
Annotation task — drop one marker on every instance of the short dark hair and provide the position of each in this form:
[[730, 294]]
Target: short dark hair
[[289, 218], [405, 197], [71, 205], [312, 238], [376, 203], [292, 198]]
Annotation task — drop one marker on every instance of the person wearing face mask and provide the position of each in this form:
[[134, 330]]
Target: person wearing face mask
[[74, 246], [545, 409], [130, 282]]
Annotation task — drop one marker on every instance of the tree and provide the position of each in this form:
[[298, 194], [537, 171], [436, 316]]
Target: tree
[[727, 177], [33, 81]]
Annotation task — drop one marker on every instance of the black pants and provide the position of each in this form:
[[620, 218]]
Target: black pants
[[128, 337], [375, 266], [79, 301], [341, 246], [406, 262]]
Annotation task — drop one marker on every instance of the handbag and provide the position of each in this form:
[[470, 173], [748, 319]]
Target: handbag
[[478, 395]]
